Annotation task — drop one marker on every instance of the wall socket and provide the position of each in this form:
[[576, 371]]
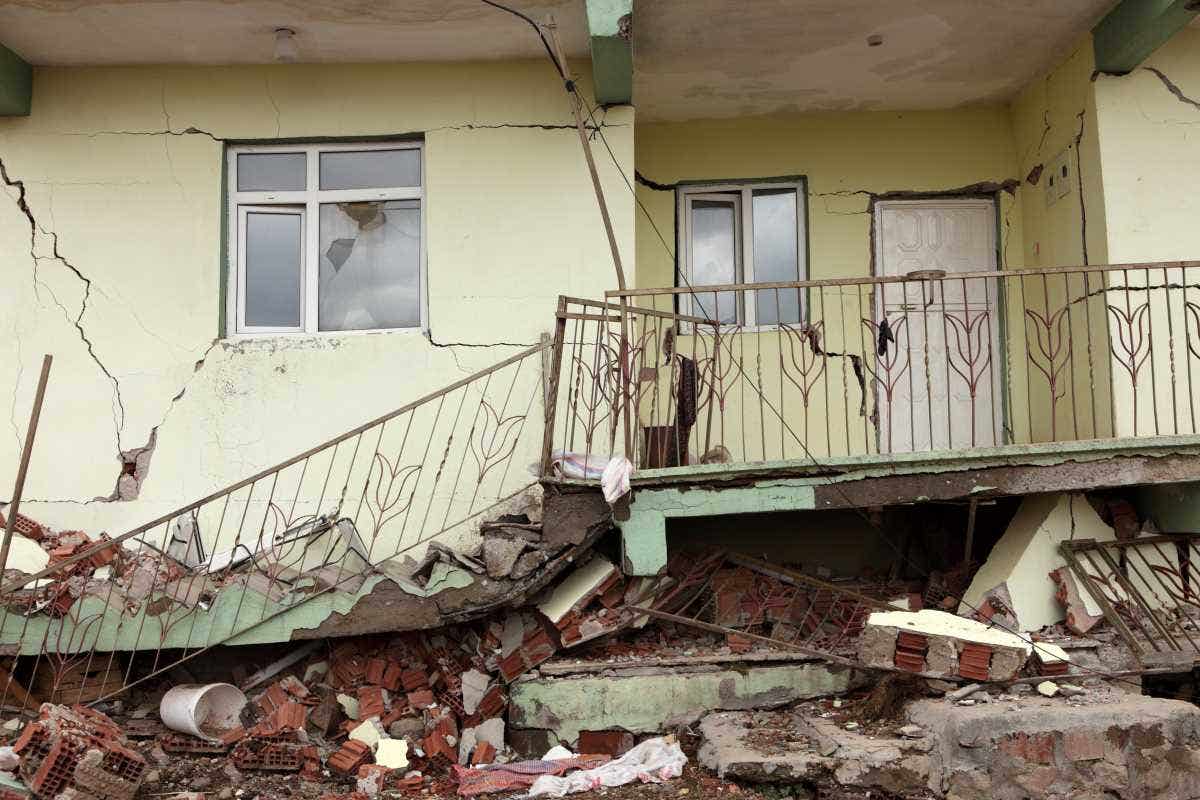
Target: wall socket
[[1059, 177]]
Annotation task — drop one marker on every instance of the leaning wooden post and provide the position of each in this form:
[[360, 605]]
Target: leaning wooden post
[[576, 109], [14, 505]]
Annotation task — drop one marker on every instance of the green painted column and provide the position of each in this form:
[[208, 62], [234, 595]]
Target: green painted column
[[609, 24], [16, 84], [1136, 28]]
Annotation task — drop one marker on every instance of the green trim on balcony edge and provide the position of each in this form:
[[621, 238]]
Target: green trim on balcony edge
[[1136, 28], [16, 84], [612, 55]]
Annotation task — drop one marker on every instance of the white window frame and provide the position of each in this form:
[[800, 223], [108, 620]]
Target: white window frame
[[743, 228], [309, 201]]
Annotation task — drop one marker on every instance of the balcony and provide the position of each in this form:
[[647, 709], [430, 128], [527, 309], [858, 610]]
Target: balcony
[[931, 372]]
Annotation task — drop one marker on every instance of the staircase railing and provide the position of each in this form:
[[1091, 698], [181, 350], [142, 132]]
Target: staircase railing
[[319, 528]]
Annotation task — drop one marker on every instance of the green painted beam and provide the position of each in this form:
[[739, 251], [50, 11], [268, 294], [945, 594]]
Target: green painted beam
[[609, 24], [16, 84], [1136, 28]]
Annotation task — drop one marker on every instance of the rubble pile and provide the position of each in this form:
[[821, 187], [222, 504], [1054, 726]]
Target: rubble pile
[[425, 711], [78, 753]]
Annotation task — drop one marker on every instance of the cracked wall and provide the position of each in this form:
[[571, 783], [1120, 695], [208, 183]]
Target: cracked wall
[[849, 160], [117, 264], [1149, 134], [1056, 114]]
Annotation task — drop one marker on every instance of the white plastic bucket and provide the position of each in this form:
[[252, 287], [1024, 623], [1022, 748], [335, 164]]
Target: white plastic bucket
[[203, 710]]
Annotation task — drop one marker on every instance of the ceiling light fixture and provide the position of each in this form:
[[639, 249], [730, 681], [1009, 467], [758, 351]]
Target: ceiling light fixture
[[874, 40], [285, 45]]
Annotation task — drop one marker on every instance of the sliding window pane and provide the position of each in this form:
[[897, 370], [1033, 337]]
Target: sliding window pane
[[370, 268], [776, 255], [274, 262]]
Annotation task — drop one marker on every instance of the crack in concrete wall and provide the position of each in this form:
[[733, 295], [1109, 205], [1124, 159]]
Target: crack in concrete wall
[[1173, 88], [35, 229], [135, 462]]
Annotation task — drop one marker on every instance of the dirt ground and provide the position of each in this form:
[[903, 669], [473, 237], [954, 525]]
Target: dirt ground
[[210, 777]]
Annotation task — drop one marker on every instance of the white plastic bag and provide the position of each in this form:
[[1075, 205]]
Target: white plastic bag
[[652, 761], [615, 479]]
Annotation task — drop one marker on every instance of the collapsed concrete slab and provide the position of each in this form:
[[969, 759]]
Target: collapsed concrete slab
[[1023, 558], [808, 750], [941, 645], [650, 701], [1108, 743]]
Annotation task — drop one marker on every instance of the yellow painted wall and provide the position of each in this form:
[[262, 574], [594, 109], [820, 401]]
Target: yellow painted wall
[[1065, 337], [1151, 154], [135, 213], [847, 158]]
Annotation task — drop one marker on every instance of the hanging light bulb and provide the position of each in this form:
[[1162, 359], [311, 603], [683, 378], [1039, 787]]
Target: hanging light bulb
[[285, 45]]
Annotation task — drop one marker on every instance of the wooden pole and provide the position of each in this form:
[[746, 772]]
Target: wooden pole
[[576, 110], [10, 513]]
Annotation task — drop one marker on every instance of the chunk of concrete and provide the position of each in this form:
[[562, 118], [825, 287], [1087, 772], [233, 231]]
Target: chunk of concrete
[[802, 750], [947, 635], [1028, 552], [392, 753], [500, 555], [474, 684], [576, 588], [370, 733], [1079, 618], [26, 555], [642, 701]]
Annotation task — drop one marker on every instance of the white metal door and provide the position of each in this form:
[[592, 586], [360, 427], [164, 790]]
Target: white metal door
[[937, 356]]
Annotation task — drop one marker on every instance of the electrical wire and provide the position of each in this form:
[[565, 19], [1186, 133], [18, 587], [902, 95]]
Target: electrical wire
[[572, 88], [537, 28]]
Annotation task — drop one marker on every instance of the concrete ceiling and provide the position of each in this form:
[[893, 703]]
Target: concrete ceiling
[[724, 58], [76, 32]]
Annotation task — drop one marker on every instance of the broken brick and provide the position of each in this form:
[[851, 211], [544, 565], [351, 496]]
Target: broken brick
[[1037, 748], [25, 526], [422, 698], [371, 702], [485, 753], [352, 755], [610, 743]]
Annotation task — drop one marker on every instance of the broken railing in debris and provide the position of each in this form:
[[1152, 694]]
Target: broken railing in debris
[[324, 523], [924, 362], [750, 601], [1148, 588]]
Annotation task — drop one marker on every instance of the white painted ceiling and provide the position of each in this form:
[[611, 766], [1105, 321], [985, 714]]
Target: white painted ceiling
[[724, 58], [72, 32], [693, 58]]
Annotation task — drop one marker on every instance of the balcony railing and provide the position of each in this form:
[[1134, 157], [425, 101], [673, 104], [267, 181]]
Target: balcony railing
[[926, 362]]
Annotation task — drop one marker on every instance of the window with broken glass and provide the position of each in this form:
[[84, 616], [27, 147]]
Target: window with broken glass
[[326, 238], [742, 234]]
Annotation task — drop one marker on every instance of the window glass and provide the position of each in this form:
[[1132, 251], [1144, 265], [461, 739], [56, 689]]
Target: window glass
[[370, 259], [273, 266], [267, 172], [370, 169], [776, 255], [714, 255]]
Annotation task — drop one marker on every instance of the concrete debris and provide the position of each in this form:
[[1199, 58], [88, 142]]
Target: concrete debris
[[937, 644], [1047, 689], [1029, 551], [1082, 612]]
